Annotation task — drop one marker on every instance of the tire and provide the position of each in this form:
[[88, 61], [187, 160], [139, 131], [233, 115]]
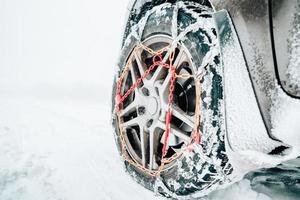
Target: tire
[[198, 171]]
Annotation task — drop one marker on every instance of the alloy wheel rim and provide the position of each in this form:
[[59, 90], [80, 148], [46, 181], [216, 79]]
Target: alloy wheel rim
[[143, 112]]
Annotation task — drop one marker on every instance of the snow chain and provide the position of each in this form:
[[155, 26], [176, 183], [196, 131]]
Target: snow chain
[[119, 99]]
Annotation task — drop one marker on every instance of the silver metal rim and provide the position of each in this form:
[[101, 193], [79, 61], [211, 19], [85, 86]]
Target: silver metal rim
[[144, 111]]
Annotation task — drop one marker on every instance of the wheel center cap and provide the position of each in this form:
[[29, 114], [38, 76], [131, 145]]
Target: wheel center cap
[[152, 105]]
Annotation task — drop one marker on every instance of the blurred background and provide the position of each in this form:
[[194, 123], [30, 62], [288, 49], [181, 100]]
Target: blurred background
[[51, 46], [57, 62]]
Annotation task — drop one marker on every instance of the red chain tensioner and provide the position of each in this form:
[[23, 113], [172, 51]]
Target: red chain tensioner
[[157, 61]]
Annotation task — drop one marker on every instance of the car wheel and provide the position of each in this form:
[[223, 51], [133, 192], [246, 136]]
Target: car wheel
[[181, 153]]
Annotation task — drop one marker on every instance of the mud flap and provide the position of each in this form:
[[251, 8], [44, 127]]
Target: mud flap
[[248, 143]]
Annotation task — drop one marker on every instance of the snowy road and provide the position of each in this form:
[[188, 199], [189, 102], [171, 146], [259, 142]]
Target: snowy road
[[60, 149]]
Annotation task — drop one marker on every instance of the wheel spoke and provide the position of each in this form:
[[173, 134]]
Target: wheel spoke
[[132, 122], [180, 114], [151, 153], [143, 145], [133, 105], [175, 131], [153, 140]]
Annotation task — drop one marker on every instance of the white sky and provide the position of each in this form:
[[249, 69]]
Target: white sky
[[59, 42]]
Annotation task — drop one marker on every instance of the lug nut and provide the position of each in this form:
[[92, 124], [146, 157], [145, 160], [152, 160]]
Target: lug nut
[[149, 123], [145, 91], [141, 110]]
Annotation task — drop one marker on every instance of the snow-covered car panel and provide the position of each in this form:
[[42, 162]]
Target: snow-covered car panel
[[286, 41], [251, 21], [265, 47]]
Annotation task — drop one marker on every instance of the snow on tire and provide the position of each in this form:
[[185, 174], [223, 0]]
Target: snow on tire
[[188, 29]]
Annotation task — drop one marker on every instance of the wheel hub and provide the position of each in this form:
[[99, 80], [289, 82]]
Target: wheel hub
[[152, 106], [150, 100]]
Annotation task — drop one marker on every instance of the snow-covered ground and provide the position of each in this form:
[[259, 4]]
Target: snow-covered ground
[[57, 60]]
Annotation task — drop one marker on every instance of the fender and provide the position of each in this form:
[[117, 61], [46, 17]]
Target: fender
[[248, 144]]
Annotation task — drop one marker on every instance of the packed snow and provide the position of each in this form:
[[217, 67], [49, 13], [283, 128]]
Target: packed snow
[[57, 60]]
